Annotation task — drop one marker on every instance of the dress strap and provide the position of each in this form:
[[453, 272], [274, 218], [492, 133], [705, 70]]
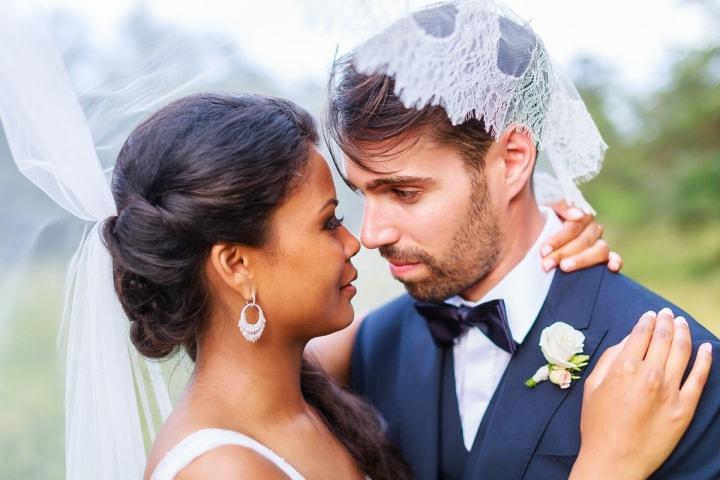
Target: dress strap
[[202, 441]]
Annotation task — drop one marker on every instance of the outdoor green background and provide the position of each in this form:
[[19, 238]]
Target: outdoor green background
[[658, 197]]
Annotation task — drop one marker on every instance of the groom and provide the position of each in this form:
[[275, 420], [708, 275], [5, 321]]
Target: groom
[[452, 209]]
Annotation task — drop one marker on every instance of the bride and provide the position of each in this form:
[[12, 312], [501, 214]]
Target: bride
[[226, 211]]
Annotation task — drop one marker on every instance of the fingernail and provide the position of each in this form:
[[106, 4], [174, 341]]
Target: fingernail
[[546, 250], [614, 266], [548, 264], [680, 322], [665, 311], [648, 315], [568, 264], [706, 348], [574, 213]]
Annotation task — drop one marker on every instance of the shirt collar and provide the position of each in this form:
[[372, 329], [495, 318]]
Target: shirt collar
[[525, 287]]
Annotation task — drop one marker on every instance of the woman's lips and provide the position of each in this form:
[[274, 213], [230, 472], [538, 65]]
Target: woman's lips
[[349, 288]]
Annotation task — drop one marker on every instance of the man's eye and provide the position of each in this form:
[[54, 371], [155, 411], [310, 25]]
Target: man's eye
[[334, 223], [405, 194]]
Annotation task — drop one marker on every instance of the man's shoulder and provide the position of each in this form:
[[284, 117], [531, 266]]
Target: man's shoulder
[[376, 349], [621, 300], [388, 317], [381, 330]]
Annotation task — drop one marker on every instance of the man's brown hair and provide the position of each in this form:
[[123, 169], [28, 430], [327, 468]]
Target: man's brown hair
[[365, 117]]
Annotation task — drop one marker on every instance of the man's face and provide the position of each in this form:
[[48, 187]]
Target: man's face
[[430, 215]]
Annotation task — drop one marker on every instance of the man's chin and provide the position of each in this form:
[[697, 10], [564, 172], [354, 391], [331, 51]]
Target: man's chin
[[433, 289], [425, 291]]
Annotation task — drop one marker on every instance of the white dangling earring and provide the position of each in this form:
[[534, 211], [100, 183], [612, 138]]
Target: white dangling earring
[[251, 331]]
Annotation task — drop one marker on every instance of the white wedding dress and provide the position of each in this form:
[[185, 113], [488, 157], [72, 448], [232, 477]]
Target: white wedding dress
[[202, 441]]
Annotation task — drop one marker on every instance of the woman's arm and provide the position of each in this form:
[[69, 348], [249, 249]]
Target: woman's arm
[[636, 406], [332, 352]]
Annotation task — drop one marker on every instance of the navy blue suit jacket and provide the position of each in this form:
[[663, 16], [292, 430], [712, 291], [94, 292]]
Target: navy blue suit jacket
[[525, 433]]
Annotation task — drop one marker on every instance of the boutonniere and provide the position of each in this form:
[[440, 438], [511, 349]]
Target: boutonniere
[[562, 347]]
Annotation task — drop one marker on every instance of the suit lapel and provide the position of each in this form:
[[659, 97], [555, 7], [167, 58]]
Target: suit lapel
[[517, 415], [419, 396]]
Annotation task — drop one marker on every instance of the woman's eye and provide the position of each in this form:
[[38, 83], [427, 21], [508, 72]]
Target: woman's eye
[[334, 223]]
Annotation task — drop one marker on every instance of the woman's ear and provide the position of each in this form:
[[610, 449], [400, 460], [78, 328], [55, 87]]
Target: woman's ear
[[231, 265], [519, 153]]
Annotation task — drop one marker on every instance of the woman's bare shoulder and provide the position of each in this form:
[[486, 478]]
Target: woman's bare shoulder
[[231, 461], [181, 423], [177, 426]]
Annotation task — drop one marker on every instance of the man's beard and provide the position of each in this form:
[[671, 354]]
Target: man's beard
[[471, 255]]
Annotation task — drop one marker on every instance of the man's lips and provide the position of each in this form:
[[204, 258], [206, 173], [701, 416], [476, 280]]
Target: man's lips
[[400, 268]]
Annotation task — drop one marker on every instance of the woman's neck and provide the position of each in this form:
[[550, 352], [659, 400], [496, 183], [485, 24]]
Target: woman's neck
[[262, 378]]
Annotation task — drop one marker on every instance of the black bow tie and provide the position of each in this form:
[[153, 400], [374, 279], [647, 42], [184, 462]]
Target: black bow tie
[[447, 322]]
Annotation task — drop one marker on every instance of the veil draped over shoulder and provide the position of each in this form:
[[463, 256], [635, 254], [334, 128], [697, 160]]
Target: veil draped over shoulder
[[114, 398]]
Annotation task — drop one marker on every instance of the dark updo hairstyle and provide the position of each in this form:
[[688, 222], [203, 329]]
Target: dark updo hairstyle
[[205, 169]]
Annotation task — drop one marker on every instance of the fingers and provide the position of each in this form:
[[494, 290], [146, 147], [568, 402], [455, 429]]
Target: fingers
[[637, 345], [692, 389], [680, 352], [604, 365], [594, 255], [577, 238], [571, 229], [662, 338], [566, 212], [615, 262]]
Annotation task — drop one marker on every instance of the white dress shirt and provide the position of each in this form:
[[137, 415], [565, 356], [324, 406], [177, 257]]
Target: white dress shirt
[[479, 363]]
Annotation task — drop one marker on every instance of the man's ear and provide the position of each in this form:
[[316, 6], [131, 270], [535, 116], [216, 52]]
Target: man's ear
[[231, 264], [519, 153]]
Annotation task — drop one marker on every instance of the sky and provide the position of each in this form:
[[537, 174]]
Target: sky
[[296, 39]]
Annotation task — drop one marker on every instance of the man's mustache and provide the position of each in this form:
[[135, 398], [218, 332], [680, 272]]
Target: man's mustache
[[405, 255]]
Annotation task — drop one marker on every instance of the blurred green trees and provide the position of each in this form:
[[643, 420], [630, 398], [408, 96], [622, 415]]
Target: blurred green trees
[[665, 159], [659, 190]]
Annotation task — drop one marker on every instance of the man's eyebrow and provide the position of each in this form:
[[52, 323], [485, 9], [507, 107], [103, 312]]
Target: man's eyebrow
[[396, 180], [332, 201]]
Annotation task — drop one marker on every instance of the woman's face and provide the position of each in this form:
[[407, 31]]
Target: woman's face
[[304, 272]]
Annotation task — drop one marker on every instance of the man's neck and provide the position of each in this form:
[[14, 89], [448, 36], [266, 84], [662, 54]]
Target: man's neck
[[523, 226]]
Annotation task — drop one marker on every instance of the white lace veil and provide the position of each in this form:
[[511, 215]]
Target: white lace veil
[[114, 397], [476, 58]]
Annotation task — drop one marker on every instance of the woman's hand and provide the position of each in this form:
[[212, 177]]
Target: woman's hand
[[636, 406], [578, 244]]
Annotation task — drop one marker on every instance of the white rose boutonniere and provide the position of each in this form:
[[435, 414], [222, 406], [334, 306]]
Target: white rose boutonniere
[[562, 347]]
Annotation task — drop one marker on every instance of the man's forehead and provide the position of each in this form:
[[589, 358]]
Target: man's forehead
[[423, 153], [365, 173], [361, 177]]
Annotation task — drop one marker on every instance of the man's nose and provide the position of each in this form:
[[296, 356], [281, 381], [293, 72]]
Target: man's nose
[[378, 227]]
